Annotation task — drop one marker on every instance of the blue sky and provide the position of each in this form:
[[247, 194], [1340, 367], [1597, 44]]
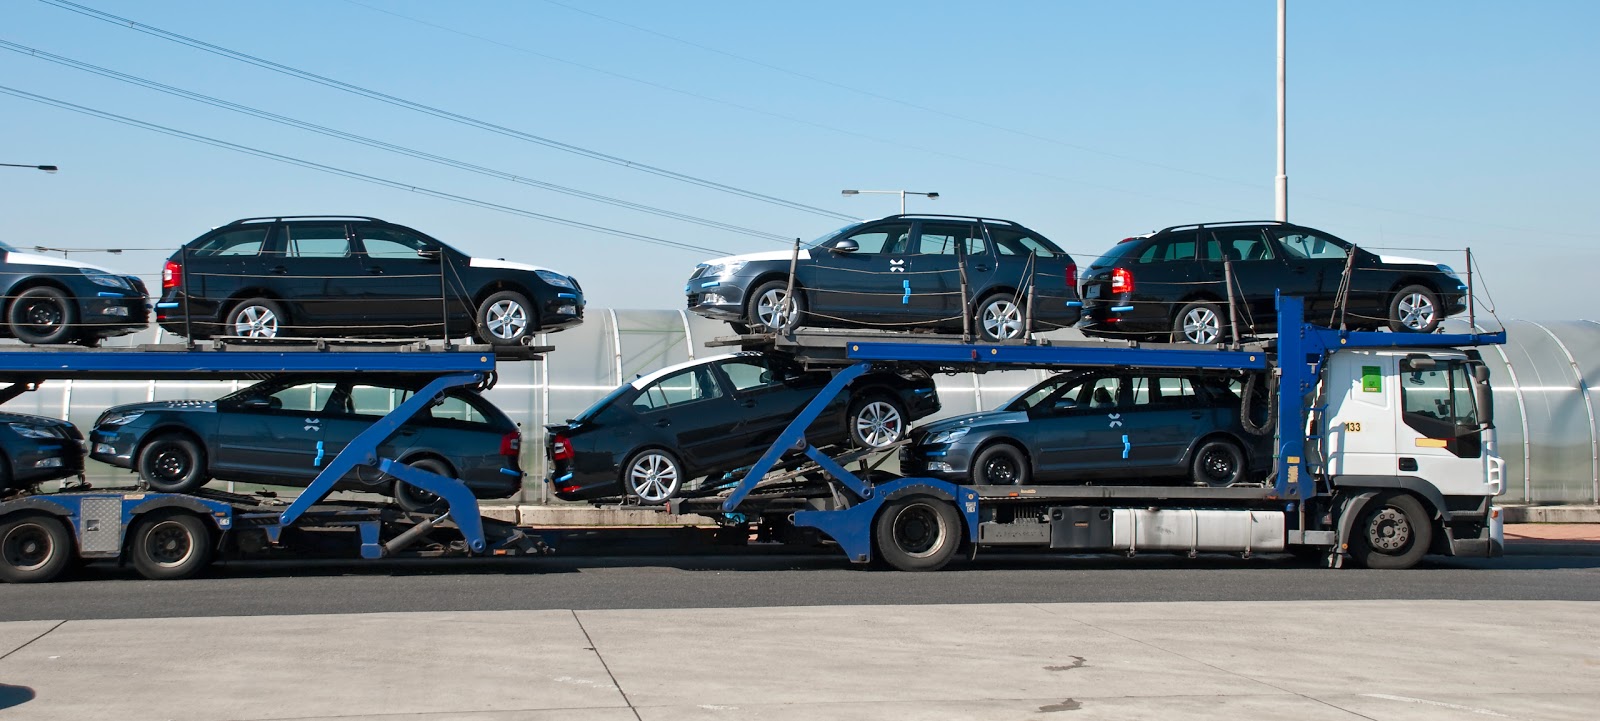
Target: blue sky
[[1416, 125]]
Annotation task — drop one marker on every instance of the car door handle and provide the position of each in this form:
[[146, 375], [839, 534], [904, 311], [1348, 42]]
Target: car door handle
[[280, 270], [981, 268], [663, 423], [1298, 269], [374, 271], [408, 432], [747, 403], [1197, 415]]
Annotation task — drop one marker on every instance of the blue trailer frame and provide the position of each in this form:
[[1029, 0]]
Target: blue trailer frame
[[1296, 358]]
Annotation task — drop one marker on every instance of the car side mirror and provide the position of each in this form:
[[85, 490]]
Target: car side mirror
[[848, 245], [1064, 404], [256, 404], [428, 253]]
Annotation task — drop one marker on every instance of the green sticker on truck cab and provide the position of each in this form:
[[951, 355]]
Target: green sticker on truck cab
[[1371, 379]]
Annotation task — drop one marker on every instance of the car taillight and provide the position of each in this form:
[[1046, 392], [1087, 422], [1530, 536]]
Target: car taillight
[[511, 444], [171, 275], [1121, 280], [1072, 275], [1126, 240], [560, 449]]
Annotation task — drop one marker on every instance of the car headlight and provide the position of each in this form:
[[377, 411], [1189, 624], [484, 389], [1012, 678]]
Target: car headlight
[[724, 270], [1447, 269], [120, 419], [29, 430], [556, 279], [100, 277], [942, 437]]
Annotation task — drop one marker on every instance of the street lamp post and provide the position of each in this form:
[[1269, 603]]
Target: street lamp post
[[45, 168], [901, 193], [1281, 182]]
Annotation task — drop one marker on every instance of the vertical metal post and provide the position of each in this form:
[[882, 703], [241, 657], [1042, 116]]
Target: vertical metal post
[[1472, 315], [788, 291], [966, 304], [444, 302], [1281, 183], [1233, 312], [1027, 313], [183, 283]]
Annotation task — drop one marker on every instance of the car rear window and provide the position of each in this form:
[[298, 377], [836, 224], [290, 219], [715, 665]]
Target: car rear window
[[1119, 252], [244, 241], [1010, 241]]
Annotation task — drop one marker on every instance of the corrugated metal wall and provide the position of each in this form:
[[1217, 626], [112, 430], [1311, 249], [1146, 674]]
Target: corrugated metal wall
[[1542, 380]]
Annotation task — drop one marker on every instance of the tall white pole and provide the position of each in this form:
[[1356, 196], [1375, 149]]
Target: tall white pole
[[1281, 183], [902, 202]]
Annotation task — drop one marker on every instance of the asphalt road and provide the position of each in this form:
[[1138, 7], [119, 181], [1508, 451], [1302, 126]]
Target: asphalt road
[[759, 577]]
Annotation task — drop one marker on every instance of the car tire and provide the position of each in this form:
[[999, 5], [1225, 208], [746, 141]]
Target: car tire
[[917, 534], [1395, 531], [173, 464], [1001, 464], [738, 328], [505, 318], [256, 318], [1218, 464], [653, 476], [1414, 309], [43, 315], [765, 313], [417, 500], [1000, 316], [171, 546], [876, 421], [34, 548], [1200, 323]]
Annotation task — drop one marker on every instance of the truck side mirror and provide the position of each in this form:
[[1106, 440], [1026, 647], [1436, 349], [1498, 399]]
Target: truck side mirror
[[1482, 393], [847, 245]]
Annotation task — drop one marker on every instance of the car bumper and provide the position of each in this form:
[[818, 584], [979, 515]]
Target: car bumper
[[948, 462], [1120, 316], [113, 447], [715, 299], [47, 461], [111, 314], [562, 311], [566, 488]]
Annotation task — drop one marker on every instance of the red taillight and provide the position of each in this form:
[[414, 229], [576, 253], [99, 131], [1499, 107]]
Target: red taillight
[[1121, 280], [511, 444], [560, 449], [1072, 275], [171, 275]]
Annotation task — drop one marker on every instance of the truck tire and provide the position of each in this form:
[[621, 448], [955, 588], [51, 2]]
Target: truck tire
[[170, 546], [1415, 309], [173, 463], [1395, 531], [43, 315], [1218, 464], [917, 534], [876, 421], [34, 548], [1000, 465]]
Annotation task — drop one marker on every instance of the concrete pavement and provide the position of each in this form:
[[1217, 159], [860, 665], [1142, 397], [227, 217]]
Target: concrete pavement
[[1314, 660]]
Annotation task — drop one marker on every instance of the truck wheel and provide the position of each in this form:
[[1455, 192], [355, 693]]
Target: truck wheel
[[1218, 464], [876, 421], [1415, 309], [171, 546], [417, 500], [34, 548], [1000, 465], [257, 318], [42, 315], [767, 312], [917, 534], [505, 318], [1000, 317], [1200, 322], [1395, 531], [173, 464]]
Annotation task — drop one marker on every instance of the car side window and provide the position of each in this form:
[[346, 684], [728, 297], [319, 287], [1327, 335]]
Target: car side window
[[886, 238], [454, 409], [317, 240], [685, 386], [1010, 241], [245, 241], [1162, 392], [1238, 245], [393, 244], [749, 375], [942, 238], [1308, 246], [1100, 393], [302, 397]]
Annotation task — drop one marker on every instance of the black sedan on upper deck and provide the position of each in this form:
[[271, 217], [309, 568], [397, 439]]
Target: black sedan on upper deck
[[337, 275]]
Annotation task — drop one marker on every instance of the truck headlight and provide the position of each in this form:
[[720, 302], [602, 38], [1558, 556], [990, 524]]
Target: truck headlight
[[942, 437], [553, 278], [29, 430], [120, 419]]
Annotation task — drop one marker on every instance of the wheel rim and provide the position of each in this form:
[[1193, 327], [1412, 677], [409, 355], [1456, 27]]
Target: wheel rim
[[1000, 471], [1389, 532], [506, 319], [1218, 465], [1002, 319], [43, 315], [1416, 311], [1202, 326], [879, 424], [27, 547], [653, 477], [918, 531], [774, 310], [255, 321], [171, 464], [169, 544], [421, 496]]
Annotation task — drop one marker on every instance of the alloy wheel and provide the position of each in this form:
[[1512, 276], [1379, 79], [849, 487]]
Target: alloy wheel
[[774, 310], [879, 424], [653, 477], [1416, 311], [256, 322], [506, 319], [1002, 319], [1201, 326]]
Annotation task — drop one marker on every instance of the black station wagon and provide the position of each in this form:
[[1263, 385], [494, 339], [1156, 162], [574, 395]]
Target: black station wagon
[[355, 276], [903, 271], [1170, 284]]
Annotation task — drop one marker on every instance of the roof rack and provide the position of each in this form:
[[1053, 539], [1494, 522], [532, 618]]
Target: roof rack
[[962, 217], [1223, 224], [276, 218]]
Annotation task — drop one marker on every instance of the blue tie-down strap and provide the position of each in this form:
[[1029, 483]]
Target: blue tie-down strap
[[1126, 446], [1074, 304], [317, 462], [906, 299], [1122, 309]]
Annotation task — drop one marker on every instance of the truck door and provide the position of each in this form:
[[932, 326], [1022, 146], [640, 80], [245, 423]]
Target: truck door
[[1440, 434]]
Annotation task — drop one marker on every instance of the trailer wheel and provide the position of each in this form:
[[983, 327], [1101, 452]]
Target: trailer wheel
[[173, 464], [917, 534], [1000, 465], [170, 546], [1218, 464], [34, 548], [417, 500], [1395, 531]]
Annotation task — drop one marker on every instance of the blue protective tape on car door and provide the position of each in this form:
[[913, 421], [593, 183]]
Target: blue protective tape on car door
[[317, 462], [1126, 446], [906, 299]]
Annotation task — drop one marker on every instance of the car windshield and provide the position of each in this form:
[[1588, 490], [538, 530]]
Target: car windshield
[[1031, 398], [599, 405], [830, 235]]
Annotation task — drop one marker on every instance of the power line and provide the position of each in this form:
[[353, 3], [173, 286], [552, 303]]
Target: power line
[[438, 112], [370, 142], [398, 185]]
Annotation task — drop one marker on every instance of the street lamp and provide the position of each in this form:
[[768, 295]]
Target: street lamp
[[901, 193], [45, 168]]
